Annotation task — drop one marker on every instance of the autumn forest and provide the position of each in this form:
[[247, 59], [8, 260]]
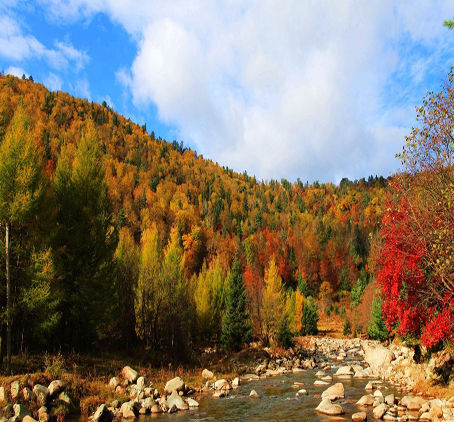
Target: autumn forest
[[113, 237]]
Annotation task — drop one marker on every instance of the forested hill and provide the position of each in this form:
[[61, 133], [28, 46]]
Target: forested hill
[[131, 237]]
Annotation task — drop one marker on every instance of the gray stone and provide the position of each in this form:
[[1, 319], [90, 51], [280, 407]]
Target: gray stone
[[41, 392], [102, 414], [175, 384], [328, 408], [192, 403], [20, 411], [359, 417], [380, 410], [254, 395], [129, 374], [127, 410], [27, 394], [222, 384], [176, 400], [56, 387], [334, 392], [207, 374], [114, 382], [141, 383], [367, 400], [15, 386]]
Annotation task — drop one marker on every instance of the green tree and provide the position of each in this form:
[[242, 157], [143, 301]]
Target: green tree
[[236, 326], [84, 243], [310, 317], [347, 330], [22, 189], [377, 328], [284, 335]]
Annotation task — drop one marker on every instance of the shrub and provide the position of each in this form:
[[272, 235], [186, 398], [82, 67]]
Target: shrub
[[358, 289], [310, 317], [347, 328], [284, 335]]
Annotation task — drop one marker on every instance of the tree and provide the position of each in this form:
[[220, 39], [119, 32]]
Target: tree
[[84, 242], [235, 326], [309, 319], [284, 335], [377, 328], [22, 189], [272, 303]]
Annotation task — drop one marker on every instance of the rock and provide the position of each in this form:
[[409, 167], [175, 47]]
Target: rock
[[2, 394], [141, 383], [27, 394], [207, 374], [412, 403], [389, 399], [297, 370], [175, 384], [114, 382], [192, 402], [328, 408], [129, 374], [367, 400], [102, 414], [43, 414], [361, 374], [55, 387], [319, 382], [176, 400], [345, 371], [301, 392], [369, 386], [28, 418], [8, 411], [236, 382], [380, 410], [15, 386], [41, 392], [359, 417], [222, 384], [155, 409], [377, 356], [220, 393], [127, 410], [334, 392], [20, 411], [254, 395], [64, 397], [115, 404], [435, 412]]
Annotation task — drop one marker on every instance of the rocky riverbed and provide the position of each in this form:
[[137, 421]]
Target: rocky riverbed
[[350, 379]]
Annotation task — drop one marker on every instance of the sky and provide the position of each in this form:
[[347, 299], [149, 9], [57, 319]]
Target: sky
[[309, 89]]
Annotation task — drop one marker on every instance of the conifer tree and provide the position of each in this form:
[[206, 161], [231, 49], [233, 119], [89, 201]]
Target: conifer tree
[[21, 191], [236, 326], [377, 328], [309, 319]]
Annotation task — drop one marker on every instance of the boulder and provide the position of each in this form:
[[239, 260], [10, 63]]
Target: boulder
[[64, 397], [380, 410], [102, 414], [43, 414], [328, 408], [222, 384], [192, 402], [345, 371], [141, 383], [207, 374], [320, 382], [20, 411], [56, 387], [2, 394], [235, 382], [27, 394], [114, 382], [155, 409], [367, 400], [41, 392], [254, 395], [127, 410], [220, 393], [389, 399], [301, 392], [28, 418], [175, 384], [176, 400], [377, 356], [334, 392], [412, 402], [15, 386], [359, 417], [369, 386], [129, 374]]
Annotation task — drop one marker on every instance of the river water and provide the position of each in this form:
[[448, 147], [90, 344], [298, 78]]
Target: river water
[[277, 402]]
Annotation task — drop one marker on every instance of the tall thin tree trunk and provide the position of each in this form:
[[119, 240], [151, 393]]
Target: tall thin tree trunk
[[8, 303]]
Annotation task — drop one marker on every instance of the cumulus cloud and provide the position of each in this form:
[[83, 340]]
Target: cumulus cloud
[[16, 71], [53, 82], [316, 90]]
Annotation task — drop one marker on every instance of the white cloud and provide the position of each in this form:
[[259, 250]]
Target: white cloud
[[82, 89], [317, 90], [53, 82], [16, 45], [16, 71]]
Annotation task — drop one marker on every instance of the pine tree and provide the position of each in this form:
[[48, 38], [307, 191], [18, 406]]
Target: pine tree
[[377, 328], [236, 326], [284, 335], [22, 189], [310, 317]]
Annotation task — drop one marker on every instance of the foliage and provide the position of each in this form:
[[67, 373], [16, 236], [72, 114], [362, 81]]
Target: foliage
[[310, 317], [235, 325], [377, 328], [284, 335], [347, 330], [357, 291]]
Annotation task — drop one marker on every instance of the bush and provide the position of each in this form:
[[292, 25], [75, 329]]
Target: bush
[[358, 289], [377, 328], [347, 328], [310, 317], [284, 335]]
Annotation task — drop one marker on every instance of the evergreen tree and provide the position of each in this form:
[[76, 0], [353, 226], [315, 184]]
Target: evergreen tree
[[284, 335], [236, 327], [310, 317], [22, 189], [377, 328], [347, 330], [84, 242]]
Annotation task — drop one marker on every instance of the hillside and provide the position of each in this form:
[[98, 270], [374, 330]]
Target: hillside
[[148, 262]]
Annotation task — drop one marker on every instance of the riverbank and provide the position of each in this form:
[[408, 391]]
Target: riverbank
[[87, 387]]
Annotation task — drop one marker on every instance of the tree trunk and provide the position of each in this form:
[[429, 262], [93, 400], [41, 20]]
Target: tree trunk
[[8, 303]]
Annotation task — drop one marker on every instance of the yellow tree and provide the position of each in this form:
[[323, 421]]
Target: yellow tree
[[273, 302]]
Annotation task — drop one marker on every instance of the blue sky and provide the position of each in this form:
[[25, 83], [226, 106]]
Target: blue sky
[[312, 89]]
